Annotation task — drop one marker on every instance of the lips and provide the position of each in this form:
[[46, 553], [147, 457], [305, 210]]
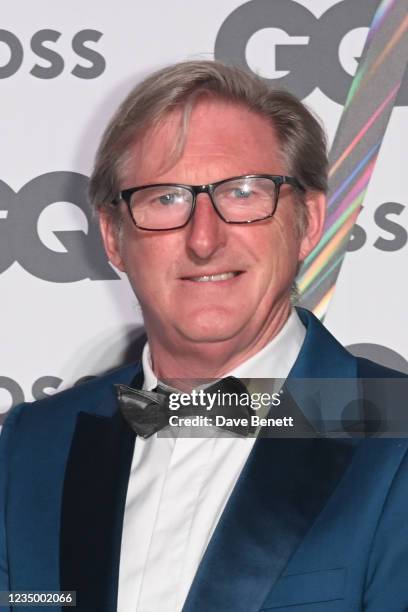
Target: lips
[[206, 278]]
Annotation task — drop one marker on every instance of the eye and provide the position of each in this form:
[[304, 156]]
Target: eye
[[169, 198], [242, 193]]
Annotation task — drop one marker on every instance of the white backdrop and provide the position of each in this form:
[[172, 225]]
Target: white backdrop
[[63, 318]]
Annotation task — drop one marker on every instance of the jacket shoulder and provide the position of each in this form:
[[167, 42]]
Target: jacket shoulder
[[90, 396], [370, 369]]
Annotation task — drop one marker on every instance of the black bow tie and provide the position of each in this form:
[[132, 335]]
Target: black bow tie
[[149, 411]]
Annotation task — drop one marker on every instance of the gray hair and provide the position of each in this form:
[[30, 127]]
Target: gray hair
[[177, 87]]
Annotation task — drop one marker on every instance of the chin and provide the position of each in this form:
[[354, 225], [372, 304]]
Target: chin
[[212, 327]]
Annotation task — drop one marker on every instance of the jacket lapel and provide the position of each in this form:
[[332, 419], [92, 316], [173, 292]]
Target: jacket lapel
[[284, 486], [94, 496]]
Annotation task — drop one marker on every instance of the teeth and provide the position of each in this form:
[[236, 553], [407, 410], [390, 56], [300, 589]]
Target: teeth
[[214, 277]]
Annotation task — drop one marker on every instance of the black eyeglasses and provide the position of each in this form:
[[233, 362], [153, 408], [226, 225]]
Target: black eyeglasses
[[241, 199]]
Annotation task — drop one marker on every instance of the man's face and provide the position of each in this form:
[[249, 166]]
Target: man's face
[[166, 268]]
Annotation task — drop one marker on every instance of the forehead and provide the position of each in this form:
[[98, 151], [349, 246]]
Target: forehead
[[219, 139]]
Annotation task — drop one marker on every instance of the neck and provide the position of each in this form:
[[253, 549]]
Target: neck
[[196, 360]]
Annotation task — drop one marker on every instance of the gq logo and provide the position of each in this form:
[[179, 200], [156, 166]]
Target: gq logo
[[40, 389], [84, 256], [396, 235], [304, 50], [42, 43]]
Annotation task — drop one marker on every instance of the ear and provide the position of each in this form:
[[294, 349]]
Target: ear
[[316, 212], [111, 239]]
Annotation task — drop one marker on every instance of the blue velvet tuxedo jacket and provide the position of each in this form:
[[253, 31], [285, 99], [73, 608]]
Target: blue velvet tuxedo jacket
[[312, 525]]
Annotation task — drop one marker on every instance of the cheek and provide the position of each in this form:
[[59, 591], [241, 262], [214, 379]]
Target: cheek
[[147, 261], [287, 240], [279, 256]]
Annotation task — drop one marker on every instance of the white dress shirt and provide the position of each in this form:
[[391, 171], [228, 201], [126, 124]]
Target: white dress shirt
[[178, 488]]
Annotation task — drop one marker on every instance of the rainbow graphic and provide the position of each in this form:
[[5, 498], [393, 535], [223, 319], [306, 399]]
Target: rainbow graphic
[[355, 148]]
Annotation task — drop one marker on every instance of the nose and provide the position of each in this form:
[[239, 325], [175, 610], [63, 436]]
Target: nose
[[206, 232]]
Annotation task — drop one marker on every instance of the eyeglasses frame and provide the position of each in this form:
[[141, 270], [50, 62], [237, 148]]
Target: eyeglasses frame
[[195, 190]]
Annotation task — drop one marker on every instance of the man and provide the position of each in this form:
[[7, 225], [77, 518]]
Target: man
[[210, 192]]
